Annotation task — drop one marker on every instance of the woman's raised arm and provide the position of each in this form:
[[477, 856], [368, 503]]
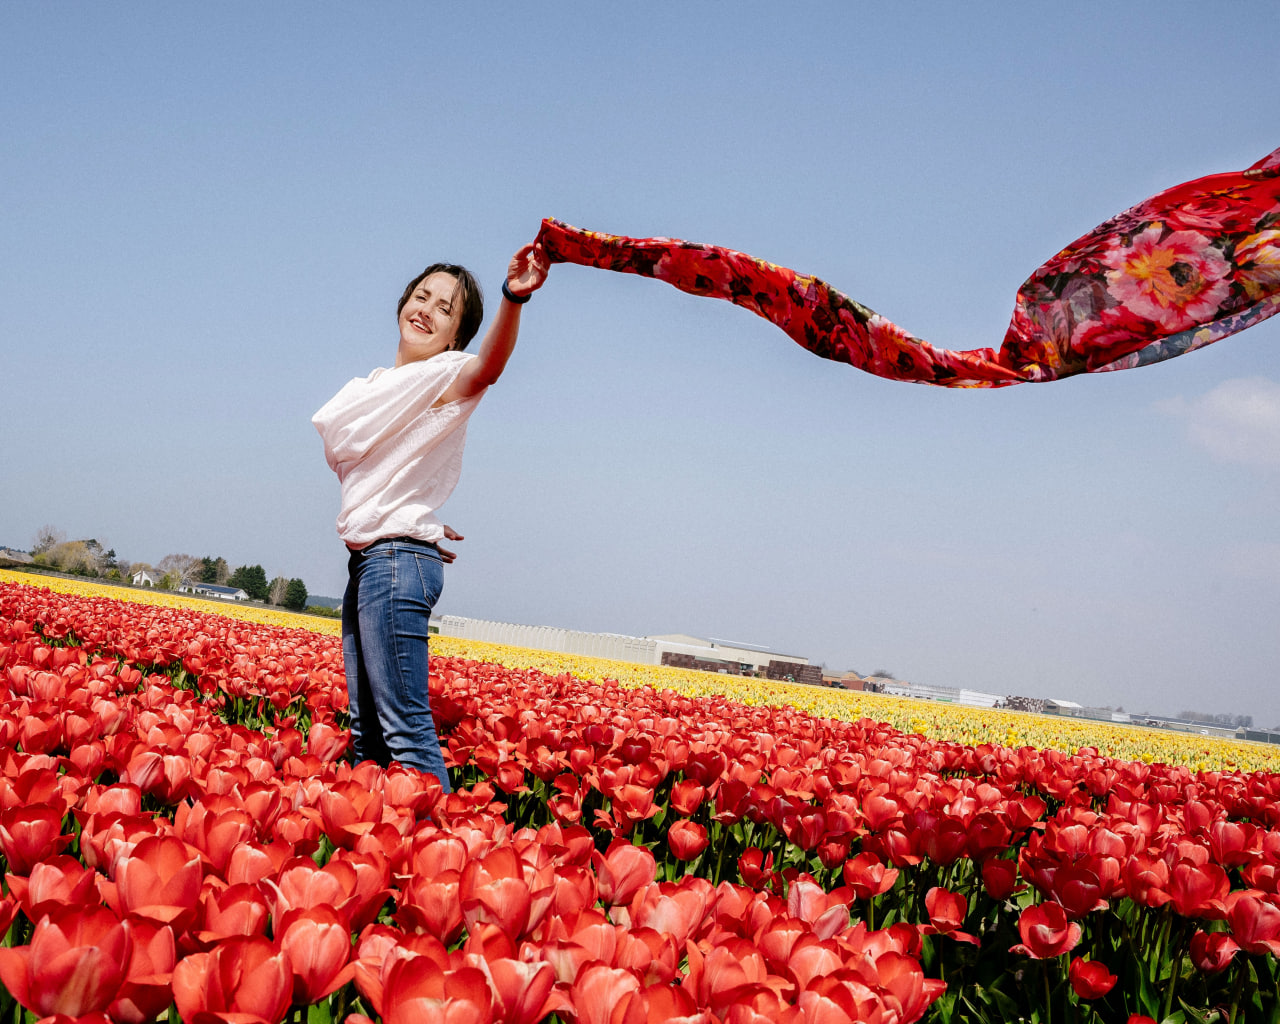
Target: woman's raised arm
[[525, 274]]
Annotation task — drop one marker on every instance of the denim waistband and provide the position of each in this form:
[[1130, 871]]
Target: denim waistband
[[427, 547]]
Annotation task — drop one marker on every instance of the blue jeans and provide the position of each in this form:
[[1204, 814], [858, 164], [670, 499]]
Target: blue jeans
[[392, 586]]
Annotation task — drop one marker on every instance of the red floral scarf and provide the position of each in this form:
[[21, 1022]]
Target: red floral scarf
[[1179, 271]]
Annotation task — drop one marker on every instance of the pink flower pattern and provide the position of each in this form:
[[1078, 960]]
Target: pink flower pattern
[[1181, 270]]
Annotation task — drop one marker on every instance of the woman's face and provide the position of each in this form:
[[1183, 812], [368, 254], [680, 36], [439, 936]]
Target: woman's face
[[429, 320]]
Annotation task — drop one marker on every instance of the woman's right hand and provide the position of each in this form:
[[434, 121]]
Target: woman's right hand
[[528, 269]]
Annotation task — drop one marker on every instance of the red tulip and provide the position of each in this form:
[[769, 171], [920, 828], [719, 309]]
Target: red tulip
[[756, 868], [999, 878], [160, 880], [1046, 932], [622, 870], [607, 995], [904, 987], [1212, 951], [493, 890], [687, 839], [148, 986], [1197, 890], [1255, 923], [672, 909], [31, 834], [1090, 979], [947, 911], [1146, 880], [60, 881], [75, 965], [326, 742], [867, 876], [523, 991], [318, 944], [417, 989], [348, 811], [826, 913], [432, 905], [687, 796], [229, 911], [246, 977]]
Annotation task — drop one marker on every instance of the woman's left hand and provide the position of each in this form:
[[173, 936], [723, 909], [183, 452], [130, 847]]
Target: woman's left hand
[[446, 555], [528, 269]]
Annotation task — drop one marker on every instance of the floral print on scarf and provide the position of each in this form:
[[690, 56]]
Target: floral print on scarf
[[1181, 270]]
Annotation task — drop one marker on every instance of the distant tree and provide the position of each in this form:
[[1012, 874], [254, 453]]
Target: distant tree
[[295, 596], [183, 568], [46, 537], [73, 556], [214, 570], [883, 673], [276, 590], [252, 579]]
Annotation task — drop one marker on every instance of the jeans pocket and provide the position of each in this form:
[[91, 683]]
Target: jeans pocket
[[431, 574]]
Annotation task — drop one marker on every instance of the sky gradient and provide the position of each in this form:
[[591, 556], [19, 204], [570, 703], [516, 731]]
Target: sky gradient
[[210, 212]]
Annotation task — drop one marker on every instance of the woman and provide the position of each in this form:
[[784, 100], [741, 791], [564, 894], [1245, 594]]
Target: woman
[[395, 439]]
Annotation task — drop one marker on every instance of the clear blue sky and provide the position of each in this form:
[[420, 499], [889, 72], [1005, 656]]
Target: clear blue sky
[[209, 211]]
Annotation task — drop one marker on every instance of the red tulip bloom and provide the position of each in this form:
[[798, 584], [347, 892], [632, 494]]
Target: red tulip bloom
[[672, 909], [1212, 951], [622, 870], [904, 988], [947, 911], [60, 881], [432, 906], [687, 796], [1197, 890], [318, 944], [1255, 923], [867, 876], [75, 965], [1046, 932], [349, 810], [247, 978], [326, 742], [1146, 880], [756, 868], [608, 995], [524, 992], [493, 890], [1090, 979], [30, 834], [687, 839], [160, 880], [826, 913], [1000, 878], [216, 827], [229, 911], [148, 986], [418, 989]]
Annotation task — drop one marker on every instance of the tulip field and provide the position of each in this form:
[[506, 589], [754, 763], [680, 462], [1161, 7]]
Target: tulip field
[[183, 838]]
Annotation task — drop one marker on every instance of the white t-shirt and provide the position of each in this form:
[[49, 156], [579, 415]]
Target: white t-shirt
[[397, 457]]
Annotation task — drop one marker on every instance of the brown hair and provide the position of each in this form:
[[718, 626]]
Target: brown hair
[[472, 299]]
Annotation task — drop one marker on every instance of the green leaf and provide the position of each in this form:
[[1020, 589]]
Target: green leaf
[[1199, 1016]]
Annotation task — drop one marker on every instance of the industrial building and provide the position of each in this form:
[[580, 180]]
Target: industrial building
[[676, 649]]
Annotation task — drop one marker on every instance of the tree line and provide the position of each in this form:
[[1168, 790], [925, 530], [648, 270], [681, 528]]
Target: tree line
[[90, 558]]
